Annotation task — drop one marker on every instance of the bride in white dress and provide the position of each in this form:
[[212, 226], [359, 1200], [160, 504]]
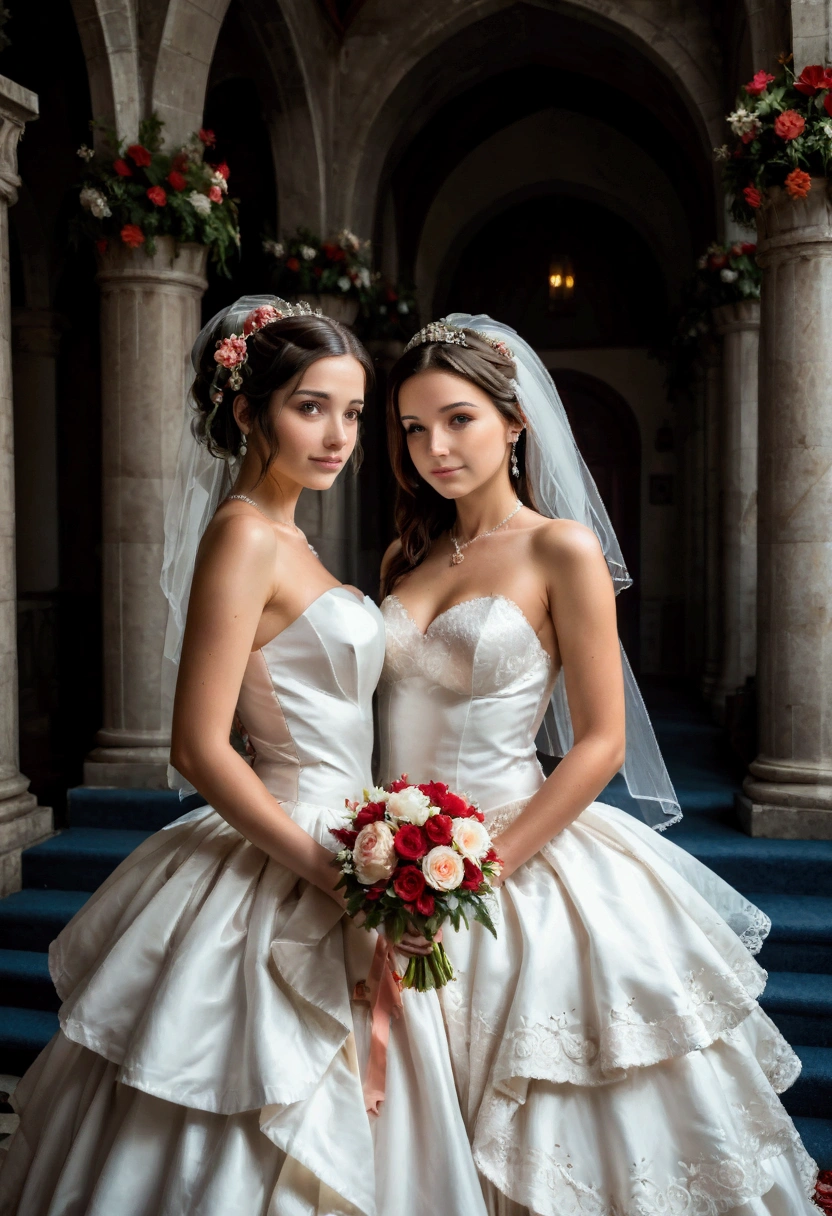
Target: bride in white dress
[[210, 1055], [610, 1055]]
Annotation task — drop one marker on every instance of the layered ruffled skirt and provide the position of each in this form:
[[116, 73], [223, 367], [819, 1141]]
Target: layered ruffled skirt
[[609, 1051], [209, 1061]]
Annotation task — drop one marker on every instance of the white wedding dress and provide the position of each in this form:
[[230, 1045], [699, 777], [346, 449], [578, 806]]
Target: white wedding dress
[[209, 1058], [610, 1055]]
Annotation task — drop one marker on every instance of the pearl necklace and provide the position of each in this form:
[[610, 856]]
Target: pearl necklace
[[257, 507], [457, 555]]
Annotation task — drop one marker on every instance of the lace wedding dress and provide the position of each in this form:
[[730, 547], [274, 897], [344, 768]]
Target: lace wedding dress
[[610, 1055], [208, 1058]]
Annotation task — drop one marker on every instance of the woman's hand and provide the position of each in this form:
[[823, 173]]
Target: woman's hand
[[413, 944]]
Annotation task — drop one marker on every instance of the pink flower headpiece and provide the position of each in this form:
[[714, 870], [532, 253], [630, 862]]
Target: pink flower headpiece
[[231, 353]]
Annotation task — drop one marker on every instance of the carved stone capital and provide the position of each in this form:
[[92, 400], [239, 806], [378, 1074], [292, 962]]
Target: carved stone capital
[[17, 107]]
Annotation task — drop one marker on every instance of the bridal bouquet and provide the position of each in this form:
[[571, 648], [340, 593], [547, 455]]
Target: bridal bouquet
[[417, 856]]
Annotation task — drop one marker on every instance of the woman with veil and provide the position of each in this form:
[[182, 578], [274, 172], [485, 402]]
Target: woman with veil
[[216, 1056], [610, 1055]]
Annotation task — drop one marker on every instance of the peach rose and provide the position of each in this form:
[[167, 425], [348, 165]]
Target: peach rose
[[471, 838], [443, 868], [373, 853]]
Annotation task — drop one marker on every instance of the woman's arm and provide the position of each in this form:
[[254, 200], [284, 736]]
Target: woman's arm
[[233, 581], [582, 605]]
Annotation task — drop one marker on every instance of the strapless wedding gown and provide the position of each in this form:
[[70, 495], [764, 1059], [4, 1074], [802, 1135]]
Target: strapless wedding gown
[[208, 1061], [610, 1055]]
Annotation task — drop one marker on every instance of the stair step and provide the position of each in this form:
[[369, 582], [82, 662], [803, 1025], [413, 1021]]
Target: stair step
[[811, 1093], [801, 932], [816, 1135], [23, 1035], [132, 810], [30, 920], [80, 858], [754, 863], [800, 1003], [25, 981]]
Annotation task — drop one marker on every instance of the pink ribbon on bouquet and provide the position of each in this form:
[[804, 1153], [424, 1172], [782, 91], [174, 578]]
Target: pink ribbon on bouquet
[[382, 989]]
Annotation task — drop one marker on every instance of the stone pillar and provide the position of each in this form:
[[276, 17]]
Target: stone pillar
[[711, 554], [739, 326], [22, 821], [36, 335], [150, 315], [788, 792]]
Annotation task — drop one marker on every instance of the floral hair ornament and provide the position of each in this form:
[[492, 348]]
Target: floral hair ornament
[[231, 353], [441, 331]]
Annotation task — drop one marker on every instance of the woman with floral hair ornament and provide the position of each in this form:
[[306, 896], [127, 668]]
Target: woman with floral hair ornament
[[213, 1036], [610, 1055]]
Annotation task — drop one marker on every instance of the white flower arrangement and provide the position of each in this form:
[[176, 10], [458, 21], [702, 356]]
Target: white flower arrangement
[[200, 202]]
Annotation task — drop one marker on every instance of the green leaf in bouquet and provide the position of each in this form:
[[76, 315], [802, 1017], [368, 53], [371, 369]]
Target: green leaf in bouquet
[[482, 914]]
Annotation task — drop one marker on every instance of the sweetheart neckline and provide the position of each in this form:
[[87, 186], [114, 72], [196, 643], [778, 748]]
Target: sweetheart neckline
[[474, 599], [310, 606]]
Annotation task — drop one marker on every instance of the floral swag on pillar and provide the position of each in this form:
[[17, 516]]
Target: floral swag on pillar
[[133, 195], [782, 126]]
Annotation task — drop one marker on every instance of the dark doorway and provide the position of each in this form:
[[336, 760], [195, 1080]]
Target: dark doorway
[[607, 435]]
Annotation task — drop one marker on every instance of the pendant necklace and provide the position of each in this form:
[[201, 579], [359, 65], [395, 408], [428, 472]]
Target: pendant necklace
[[457, 556]]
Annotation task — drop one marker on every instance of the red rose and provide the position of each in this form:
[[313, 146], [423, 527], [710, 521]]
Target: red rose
[[222, 169], [371, 813], [716, 261], [376, 891], [827, 103], [409, 883], [434, 790], [789, 124], [455, 806], [139, 155], [409, 842], [749, 247], [798, 184], [758, 84], [207, 136], [439, 829], [426, 904], [473, 876], [345, 836], [334, 252], [752, 196], [157, 196], [401, 783], [101, 244], [132, 235], [293, 263], [176, 180], [122, 168], [215, 194], [812, 79]]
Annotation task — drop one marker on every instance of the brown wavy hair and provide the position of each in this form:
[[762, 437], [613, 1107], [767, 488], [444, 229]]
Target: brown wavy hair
[[277, 354], [422, 514]]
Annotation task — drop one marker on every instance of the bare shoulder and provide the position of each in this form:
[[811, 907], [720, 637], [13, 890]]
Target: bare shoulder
[[392, 550], [249, 537], [566, 544]]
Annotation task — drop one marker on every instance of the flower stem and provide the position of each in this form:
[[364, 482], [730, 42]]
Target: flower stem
[[431, 971]]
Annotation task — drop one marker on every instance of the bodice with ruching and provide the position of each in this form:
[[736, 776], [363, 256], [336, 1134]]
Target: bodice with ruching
[[462, 703], [306, 701]]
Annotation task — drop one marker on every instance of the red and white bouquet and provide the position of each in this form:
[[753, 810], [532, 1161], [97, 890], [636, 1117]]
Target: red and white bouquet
[[416, 856]]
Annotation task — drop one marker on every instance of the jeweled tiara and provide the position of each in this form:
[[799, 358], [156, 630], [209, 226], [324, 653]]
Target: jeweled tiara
[[441, 331]]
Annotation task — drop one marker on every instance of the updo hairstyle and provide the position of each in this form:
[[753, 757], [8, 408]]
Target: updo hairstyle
[[277, 354]]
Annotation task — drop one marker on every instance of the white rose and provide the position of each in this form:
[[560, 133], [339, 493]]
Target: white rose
[[409, 806], [307, 252], [728, 276], [471, 838], [275, 248], [95, 202], [344, 283], [403, 307], [443, 868], [199, 202], [376, 794], [373, 853]]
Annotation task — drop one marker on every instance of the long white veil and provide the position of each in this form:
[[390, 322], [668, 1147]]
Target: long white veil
[[563, 489]]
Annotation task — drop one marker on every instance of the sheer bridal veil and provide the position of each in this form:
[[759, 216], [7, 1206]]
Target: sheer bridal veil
[[563, 489]]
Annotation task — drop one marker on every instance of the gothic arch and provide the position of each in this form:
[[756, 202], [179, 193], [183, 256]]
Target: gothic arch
[[109, 36]]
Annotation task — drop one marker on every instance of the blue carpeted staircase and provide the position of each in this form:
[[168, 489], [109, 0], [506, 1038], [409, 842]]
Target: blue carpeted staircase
[[788, 879]]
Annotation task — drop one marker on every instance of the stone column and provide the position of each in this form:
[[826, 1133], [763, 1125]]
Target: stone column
[[739, 326], [711, 555], [788, 792], [150, 315], [22, 821]]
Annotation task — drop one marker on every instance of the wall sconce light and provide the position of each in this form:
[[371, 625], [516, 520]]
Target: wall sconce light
[[561, 279]]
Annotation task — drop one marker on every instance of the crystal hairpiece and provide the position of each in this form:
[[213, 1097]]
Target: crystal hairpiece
[[441, 331], [231, 354]]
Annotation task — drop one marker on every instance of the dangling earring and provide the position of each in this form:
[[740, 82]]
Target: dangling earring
[[515, 468], [243, 443]]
